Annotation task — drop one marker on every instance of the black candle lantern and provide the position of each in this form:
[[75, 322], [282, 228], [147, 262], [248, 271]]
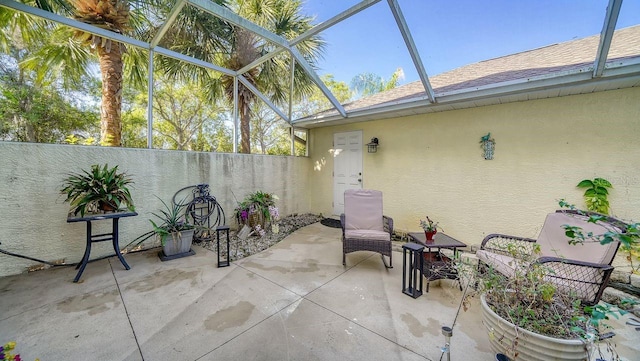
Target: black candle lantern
[[412, 265], [226, 262]]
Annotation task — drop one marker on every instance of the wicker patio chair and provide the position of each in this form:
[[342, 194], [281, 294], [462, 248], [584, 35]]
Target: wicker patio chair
[[583, 269], [364, 227]]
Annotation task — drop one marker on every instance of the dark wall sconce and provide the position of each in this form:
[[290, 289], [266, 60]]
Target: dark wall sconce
[[373, 146]]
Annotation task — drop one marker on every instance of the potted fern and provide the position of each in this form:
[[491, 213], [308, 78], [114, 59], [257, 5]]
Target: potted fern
[[102, 189]]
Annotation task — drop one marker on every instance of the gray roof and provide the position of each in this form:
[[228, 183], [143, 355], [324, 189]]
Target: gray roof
[[553, 61]]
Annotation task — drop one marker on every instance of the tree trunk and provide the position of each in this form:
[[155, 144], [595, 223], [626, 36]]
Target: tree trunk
[[111, 68], [245, 129]]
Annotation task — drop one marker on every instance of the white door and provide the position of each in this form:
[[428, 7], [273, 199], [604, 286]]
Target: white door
[[347, 166]]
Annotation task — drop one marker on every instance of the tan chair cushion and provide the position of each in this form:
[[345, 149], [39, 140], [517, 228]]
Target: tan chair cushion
[[367, 234], [501, 263], [554, 243], [363, 210]]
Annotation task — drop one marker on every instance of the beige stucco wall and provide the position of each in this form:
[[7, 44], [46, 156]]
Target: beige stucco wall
[[432, 164], [33, 214]]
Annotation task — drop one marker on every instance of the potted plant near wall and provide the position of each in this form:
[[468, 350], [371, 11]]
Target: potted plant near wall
[[256, 209], [174, 231], [102, 189]]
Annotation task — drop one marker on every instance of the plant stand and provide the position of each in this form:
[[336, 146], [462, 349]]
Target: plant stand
[[91, 238]]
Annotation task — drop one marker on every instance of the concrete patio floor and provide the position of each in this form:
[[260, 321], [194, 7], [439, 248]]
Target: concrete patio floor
[[294, 301]]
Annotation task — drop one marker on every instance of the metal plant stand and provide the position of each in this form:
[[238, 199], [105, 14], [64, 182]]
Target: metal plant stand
[[103, 237], [207, 215]]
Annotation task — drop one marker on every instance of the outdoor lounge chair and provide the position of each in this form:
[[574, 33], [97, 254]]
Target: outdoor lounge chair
[[364, 227], [583, 268]]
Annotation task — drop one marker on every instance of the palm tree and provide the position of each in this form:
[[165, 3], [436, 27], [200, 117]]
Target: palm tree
[[283, 18], [110, 15], [194, 33], [72, 51], [66, 47], [368, 83]]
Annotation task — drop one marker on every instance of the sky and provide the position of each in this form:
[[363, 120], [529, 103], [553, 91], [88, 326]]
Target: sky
[[452, 33]]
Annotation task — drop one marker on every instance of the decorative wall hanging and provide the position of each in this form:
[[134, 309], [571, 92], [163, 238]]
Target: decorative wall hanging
[[488, 145]]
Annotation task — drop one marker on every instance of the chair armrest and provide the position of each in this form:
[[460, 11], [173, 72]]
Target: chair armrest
[[497, 243], [574, 262], [587, 279], [388, 224]]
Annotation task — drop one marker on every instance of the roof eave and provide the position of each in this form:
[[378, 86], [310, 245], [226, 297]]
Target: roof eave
[[618, 74]]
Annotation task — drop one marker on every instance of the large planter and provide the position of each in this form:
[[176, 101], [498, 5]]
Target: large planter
[[177, 245], [530, 346]]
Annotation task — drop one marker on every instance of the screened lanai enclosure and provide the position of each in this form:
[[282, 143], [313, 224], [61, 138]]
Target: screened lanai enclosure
[[266, 56], [481, 116]]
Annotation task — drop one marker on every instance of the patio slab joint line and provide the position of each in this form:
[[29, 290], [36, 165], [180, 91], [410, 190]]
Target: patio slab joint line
[[126, 311]]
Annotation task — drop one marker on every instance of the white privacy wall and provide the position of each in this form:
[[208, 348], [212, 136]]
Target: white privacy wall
[[33, 213]]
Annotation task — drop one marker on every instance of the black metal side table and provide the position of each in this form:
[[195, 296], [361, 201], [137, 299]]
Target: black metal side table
[[436, 264], [415, 263], [113, 236]]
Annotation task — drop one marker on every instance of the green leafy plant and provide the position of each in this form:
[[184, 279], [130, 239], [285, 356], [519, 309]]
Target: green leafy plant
[[171, 221], [595, 194], [102, 188], [628, 235], [429, 225], [260, 205]]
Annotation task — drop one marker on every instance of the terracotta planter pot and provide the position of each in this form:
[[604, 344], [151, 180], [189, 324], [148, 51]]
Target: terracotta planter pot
[[530, 346]]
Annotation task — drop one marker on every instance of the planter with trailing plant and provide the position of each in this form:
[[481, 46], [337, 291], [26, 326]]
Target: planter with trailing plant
[[257, 209], [102, 189], [528, 318], [522, 344]]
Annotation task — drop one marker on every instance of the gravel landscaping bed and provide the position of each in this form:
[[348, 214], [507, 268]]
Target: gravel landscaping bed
[[254, 243]]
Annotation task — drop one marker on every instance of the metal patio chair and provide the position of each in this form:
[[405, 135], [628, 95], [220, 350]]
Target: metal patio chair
[[583, 268]]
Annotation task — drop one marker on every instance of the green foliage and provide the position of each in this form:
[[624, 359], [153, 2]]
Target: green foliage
[[40, 114], [628, 236], [595, 194], [91, 191], [260, 203], [316, 101], [429, 225], [368, 83], [173, 219]]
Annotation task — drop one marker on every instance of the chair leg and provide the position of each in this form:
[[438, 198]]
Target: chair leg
[[390, 265], [344, 259]]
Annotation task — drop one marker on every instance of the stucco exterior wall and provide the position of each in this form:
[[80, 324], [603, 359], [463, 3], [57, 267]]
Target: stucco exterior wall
[[33, 214], [432, 164]]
